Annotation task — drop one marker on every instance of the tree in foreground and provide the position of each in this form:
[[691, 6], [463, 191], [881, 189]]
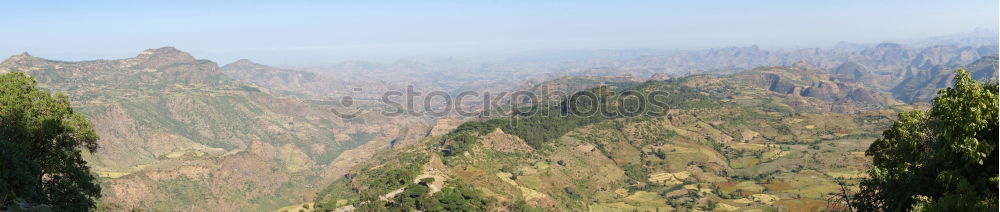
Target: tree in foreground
[[944, 159], [40, 142]]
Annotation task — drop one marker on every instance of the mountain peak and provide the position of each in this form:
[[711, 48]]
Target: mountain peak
[[164, 56], [243, 62], [22, 58], [165, 51]]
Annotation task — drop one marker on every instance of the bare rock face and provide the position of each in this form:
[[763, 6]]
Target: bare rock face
[[824, 90], [851, 71]]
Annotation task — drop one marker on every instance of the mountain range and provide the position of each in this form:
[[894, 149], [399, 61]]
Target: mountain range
[[181, 133]]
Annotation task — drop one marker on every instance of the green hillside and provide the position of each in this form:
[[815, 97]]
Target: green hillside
[[721, 144]]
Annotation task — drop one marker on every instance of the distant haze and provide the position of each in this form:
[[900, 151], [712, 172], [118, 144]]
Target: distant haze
[[314, 32]]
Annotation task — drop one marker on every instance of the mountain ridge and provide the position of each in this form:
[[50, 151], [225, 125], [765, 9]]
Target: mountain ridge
[[178, 134]]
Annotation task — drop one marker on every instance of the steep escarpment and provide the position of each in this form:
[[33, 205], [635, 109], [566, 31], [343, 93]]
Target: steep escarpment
[[819, 84], [923, 84]]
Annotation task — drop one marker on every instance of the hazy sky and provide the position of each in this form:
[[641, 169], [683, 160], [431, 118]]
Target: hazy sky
[[303, 32]]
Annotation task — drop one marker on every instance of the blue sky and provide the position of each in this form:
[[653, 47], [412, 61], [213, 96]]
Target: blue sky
[[313, 32]]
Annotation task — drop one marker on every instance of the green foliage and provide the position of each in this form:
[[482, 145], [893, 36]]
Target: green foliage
[[415, 197], [944, 159], [412, 198], [635, 172], [40, 141], [481, 128], [364, 188], [522, 206], [460, 197], [459, 142], [572, 193], [334, 193], [399, 173], [389, 180]]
